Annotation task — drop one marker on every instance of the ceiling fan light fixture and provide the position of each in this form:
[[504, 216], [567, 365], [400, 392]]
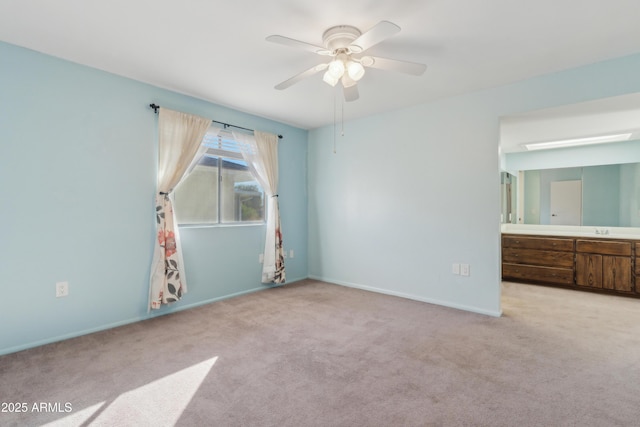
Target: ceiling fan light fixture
[[355, 70], [330, 79], [336, 68], [347, 81]]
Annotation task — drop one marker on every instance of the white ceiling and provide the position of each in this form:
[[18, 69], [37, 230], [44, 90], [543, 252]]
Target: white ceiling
[[216, 49]]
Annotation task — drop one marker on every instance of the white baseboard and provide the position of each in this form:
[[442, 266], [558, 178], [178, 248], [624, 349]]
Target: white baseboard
[[151, 315], [409, 296]]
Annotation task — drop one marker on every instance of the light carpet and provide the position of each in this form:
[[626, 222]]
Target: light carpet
[[317, 354]]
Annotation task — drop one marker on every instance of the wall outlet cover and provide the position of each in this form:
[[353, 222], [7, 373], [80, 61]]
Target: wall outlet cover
[[464, 269], [62, 289]]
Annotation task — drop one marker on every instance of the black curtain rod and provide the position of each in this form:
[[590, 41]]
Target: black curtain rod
[[226, 125]]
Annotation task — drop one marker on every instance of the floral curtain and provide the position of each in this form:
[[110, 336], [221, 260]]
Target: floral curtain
[[260, 150], [180, 147]]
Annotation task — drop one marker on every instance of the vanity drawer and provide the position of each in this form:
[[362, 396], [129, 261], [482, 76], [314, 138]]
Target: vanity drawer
[[537, 257], [540, 243], [562, 276], [603, 247]]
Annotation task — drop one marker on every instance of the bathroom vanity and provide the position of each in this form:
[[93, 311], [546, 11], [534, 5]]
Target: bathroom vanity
[[580, 260]]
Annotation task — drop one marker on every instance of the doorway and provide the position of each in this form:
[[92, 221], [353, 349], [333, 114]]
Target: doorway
[[566, 203]]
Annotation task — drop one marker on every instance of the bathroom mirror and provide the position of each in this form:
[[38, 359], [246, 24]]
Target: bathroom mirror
[[599, 184], [599, 196]]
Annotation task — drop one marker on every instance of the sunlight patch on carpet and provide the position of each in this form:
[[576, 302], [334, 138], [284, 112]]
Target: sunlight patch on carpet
[[77, 418], [160, 402]]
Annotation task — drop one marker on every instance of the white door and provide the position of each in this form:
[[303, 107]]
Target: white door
[[566, 203]]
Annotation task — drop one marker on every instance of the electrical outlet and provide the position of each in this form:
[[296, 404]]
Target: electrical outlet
[[464, 269], [456, 268], [62, 289], [291, 253]]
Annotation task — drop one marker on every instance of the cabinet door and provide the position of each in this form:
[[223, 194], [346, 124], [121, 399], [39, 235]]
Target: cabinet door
[[589, 270], [616, 273]]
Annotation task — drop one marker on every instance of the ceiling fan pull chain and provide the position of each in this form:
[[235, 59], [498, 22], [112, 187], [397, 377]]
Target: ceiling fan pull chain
[[334, 122], [342, 119]]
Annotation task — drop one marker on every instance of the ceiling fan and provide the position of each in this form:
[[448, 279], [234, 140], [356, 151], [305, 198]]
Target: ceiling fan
[[346, 45]]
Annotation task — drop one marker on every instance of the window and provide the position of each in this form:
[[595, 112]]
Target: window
[[221, 189]]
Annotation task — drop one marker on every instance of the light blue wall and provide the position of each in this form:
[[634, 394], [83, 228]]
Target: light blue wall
[[403, 199], [77, 168], [413, 191]]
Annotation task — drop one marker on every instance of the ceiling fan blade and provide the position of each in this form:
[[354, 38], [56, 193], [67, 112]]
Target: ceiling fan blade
[[351, 93], [295, 79], [413, 68], [297, 44], [381, 31]]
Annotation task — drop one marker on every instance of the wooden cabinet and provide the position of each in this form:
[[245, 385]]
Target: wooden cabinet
[[637, 267], [538, 259], [607, 265], [604, 264]]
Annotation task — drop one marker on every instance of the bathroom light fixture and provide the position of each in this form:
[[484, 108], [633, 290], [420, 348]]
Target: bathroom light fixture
[[578, 141]]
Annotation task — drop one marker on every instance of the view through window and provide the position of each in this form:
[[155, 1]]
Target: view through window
[[221, 188]]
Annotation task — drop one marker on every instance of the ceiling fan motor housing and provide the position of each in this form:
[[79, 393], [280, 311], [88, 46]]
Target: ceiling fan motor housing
[[340, 37]]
